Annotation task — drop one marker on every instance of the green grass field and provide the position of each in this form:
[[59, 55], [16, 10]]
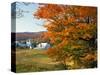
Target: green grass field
[[34, 61]]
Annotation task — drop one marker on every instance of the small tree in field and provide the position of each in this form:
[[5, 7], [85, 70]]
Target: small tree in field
[[72, 31]]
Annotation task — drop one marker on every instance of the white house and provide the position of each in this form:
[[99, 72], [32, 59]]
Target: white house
[[43, 46]]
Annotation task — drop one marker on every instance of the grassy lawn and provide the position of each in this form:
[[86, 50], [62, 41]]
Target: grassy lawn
[[34, 61]]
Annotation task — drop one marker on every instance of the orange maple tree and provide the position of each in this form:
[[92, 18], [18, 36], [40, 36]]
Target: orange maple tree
[[72, 31]]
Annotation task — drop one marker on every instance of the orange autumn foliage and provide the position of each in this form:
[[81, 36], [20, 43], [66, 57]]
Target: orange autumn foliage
[[72, 30]]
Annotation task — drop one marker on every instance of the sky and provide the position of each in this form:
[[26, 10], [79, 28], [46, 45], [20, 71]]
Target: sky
[[28, 23]]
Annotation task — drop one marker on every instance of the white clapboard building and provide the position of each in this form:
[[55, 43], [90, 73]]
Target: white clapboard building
[[42, 46], [25, 44]]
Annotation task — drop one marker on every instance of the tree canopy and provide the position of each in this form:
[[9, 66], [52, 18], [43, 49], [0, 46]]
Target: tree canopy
[[72, 31]]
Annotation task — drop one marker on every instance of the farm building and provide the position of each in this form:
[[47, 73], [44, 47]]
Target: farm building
[[42, 46]]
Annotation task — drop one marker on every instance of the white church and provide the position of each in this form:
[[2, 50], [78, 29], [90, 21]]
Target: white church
[[28, 44]]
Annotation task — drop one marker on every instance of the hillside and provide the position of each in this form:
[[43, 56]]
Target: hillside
[[28, 35]]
